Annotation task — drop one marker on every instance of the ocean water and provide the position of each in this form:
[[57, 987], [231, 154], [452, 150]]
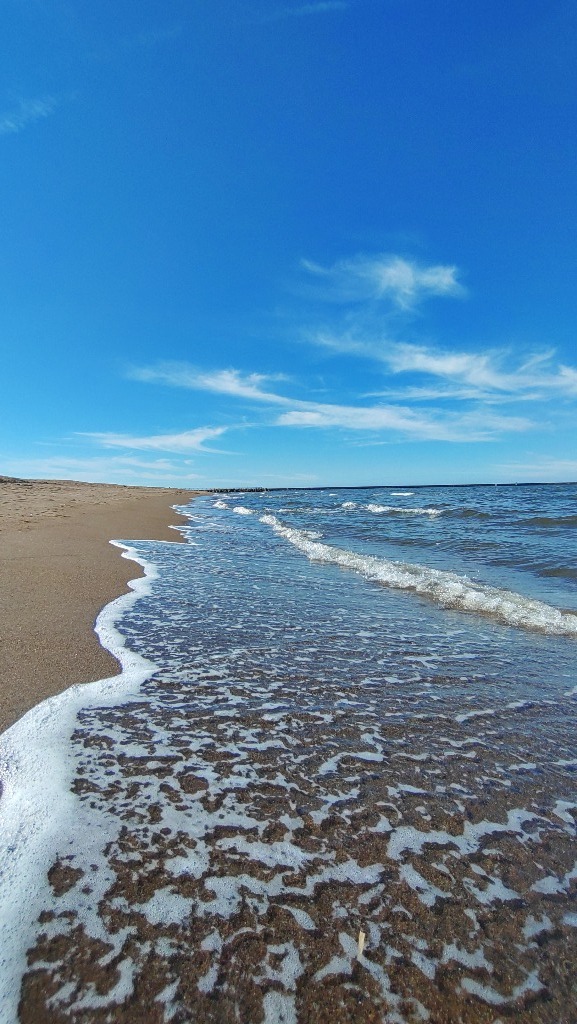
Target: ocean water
[[335, 780]]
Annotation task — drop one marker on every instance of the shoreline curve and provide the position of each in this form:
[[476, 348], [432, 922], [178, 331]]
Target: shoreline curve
[[58, 570]]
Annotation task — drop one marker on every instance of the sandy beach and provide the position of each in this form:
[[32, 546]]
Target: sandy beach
[[57, 570], [317, 807]]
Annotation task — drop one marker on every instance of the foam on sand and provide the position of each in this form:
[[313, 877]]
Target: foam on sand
[[37, 807]]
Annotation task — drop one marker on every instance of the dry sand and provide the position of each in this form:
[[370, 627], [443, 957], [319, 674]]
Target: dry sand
[[57, 570]]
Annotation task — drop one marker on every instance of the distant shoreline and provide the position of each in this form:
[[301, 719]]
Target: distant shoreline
[[372, 487], [58, 569]]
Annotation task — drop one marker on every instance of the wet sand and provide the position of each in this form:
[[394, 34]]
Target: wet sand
[[57, 570], [246, 837]]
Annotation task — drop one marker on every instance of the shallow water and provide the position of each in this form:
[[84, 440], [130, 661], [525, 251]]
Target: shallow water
[[329, 742]]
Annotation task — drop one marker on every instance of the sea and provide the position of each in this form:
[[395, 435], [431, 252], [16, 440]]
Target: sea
[[334, 781]]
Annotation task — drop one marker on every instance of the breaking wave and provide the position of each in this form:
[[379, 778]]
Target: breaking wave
[[446, 589], [371, 507]]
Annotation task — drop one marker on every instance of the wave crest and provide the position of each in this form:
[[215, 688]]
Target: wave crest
[[446, 589]]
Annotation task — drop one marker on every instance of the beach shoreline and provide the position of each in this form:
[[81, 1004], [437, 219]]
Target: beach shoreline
[[305, 798], [58, 569]]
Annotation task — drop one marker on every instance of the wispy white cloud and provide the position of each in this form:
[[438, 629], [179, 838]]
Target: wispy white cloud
[[484, 371], [449, 395], [223, 382], [188, 440], [535, 377], [469, 368], [425, 425], [27, 112], [568, 377], [432, 393], [400, 420], [490, 376], [405, 283], [466, 375]]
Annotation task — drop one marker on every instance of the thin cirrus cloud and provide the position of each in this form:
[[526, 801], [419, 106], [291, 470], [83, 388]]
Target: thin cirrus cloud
[[187, 441], [394, 284], [465, 375], [484, 371], [442, 395], [418, 426], [395, 419], [223, 382], [27, 112], [403, 283]]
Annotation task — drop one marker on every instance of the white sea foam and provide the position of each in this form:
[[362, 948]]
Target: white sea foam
[[402, 494], [445, 588], [38, 812], [495, 998], [397, 510], [534, 927]]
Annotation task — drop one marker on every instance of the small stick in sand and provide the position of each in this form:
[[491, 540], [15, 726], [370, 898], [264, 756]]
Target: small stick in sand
[[361, 945]]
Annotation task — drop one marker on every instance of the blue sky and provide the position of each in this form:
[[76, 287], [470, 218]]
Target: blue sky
[[298, 243]]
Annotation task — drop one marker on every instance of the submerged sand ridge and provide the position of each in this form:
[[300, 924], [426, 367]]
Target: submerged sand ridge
[[57, 570]]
